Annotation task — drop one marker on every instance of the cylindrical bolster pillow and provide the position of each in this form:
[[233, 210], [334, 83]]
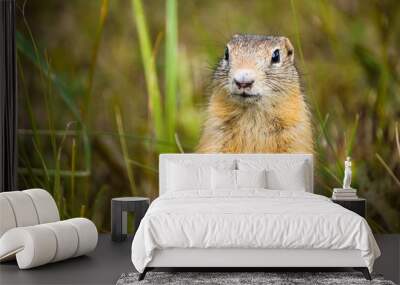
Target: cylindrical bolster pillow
[[26, 208], [33, 246], [23, 208], [87, 234], [7, 219], [41, 244], [45, 205], [67, 240]]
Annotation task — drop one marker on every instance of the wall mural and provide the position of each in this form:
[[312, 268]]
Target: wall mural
[[106, 86]]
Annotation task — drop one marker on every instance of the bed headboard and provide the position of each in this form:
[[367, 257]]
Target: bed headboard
[[212, 159]]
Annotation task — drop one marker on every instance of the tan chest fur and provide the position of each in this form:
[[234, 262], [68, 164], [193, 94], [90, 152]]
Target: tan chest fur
[[281, 126]]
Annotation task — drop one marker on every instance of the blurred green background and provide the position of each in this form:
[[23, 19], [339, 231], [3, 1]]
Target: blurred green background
[[105, 86]]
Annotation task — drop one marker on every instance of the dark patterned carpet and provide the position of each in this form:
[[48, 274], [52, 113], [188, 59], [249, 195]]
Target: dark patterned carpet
[[229, 278]]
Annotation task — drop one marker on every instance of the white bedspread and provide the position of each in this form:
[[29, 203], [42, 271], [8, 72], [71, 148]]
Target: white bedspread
[[250, 219]]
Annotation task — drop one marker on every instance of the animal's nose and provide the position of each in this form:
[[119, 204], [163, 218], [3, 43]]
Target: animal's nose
[[243, 84], [244, 78]]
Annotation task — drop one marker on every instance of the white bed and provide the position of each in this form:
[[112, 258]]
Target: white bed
[[281, 224]]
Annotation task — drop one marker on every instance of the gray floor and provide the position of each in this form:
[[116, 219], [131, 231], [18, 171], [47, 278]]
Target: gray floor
[[389, 263], [110, 260], [103, 266]]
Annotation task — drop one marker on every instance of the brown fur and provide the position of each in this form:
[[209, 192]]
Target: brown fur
[[276, 122]]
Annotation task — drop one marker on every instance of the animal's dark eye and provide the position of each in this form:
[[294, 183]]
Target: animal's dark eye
[[275, 56], [226, 54]]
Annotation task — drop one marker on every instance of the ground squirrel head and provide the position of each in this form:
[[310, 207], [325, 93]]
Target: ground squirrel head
[[255, 68]]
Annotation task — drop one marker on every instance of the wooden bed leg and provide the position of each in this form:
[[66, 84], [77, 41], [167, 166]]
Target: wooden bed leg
[[143, 274], [364, 271]]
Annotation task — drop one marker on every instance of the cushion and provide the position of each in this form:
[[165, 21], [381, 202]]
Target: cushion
[[292, 181], [7, 219], [66, 237], [87, 234], [183, 177], [26, 208], [226, 179], [45, 205], [23, 208], [32, 246], [251, 178], [167, 179], [281, 174], [223, 179]]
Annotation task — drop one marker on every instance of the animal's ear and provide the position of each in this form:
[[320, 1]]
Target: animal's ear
[[289, 49]]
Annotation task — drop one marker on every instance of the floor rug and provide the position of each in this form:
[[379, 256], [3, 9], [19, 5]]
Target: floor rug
[[229, 278]]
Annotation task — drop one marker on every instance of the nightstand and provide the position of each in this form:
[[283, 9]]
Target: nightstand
[[119, 214], [358, 205]]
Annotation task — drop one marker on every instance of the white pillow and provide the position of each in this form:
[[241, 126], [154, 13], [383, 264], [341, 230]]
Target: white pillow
[[181, 177], [293, 180], [282, 174], [251, 178], [223, 179], [226, 179]]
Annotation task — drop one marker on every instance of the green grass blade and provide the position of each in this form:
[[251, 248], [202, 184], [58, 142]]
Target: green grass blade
[[397, 139], [141, 165], [86, 112], [43, 162], [124, 148], [301, 54], [100, 203], [171, 67], [376, 228], [34, 45], [82, 212], [153, 90], [190, 116], [27, 100], [178, 143], [86, 104], [320, 118], [29, 50], [26, 49], [73, 170], [328, 171], [48, 102], [58, 190], [34, 180], [387, 168]]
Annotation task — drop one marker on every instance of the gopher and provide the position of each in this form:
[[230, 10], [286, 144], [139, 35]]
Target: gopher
[[257, 104]]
